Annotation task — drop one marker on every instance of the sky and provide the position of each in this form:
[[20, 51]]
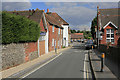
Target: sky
[[79, 15]]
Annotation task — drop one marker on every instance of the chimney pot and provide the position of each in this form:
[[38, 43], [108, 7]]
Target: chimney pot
[[14, 10], [37, 9], [43, 10], [33, 10], [47, 10], [29, 10]]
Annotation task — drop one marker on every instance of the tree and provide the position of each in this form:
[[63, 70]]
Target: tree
[[17, 29], [94, 23], [73, 31], [78, 31]]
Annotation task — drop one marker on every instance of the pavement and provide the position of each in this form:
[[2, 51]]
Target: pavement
[[24, 68], [96, 65]]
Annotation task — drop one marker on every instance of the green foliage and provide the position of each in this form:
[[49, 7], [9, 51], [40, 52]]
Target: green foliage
[[87, 34], [94, 23], [63, 47], [78, 31], [73, 31], [17, 29]]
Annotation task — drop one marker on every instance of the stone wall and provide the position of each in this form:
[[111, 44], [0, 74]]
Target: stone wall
[[14, 54]]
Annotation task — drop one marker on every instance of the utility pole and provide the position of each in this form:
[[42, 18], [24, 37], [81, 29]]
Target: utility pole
[[98, 26]]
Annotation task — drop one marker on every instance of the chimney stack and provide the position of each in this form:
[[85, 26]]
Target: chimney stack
[[47, 10], [43, 10], [29, 10], [14, 10], [33, 10]]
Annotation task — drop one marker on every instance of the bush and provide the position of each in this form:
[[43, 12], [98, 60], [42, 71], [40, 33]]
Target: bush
[[16, 29]]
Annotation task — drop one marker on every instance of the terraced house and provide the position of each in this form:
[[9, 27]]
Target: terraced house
[[55, 32], [51, 35], [63, 24]]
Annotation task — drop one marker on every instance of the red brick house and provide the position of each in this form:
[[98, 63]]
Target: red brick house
[[38, 16], [64, 24], [55, 32], [77, 36], [108, 25]]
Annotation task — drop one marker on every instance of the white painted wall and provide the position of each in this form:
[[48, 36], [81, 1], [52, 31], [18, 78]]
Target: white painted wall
[[46, 42], [65, 35]]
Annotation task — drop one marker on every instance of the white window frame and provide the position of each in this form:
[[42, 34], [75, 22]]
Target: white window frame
[[41, 38], [53, 28], [110, 38], [52, 42], [58, 30], [61, 41]]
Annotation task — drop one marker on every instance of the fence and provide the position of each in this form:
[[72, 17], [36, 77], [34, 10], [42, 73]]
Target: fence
[[112, 58]]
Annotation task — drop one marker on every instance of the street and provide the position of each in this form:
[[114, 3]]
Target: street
[[68, 65]]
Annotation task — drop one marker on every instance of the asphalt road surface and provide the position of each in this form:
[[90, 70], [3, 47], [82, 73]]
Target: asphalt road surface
[[68, 65]]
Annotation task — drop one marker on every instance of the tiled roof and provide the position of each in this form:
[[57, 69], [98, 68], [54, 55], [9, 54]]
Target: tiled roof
[[76, 36], [107, 15], [69, 30], [78, 33], [35, 15], [53, 21], [58, 18]]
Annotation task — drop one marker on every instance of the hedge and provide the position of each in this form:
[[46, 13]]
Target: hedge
[[16, 29]]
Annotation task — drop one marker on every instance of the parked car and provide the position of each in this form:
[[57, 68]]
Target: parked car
[[78, 40], [89, 44]]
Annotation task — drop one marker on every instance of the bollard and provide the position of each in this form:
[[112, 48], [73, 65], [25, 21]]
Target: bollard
[[92, 47], [102, 62]]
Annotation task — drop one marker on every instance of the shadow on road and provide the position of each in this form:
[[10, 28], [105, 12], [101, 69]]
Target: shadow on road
[[82, 47]]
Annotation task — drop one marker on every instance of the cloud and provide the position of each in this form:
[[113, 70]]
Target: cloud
[[79, 14], [80, 27], [103, 4], [10, 5], [15, 0], [76, 16], [74, 0]]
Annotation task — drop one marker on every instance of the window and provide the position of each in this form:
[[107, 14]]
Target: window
[[53, 28], [61, 41], [108, 30], [52, 42], [42, 38], [110, 35], [58, 30]]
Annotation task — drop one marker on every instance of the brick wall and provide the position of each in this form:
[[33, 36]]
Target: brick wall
[[42, 47], [30, 48], [103, 41]]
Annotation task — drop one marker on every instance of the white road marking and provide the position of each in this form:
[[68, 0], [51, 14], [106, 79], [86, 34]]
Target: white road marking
[[39, 67], [85, 68]]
